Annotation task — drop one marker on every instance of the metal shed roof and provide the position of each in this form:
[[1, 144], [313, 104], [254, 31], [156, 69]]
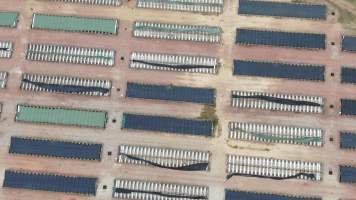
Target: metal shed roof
[[74, 24], [61, 116], [283, 9], [49, 182], [8, 19], [167, 124], [55, 148], [171, 93]]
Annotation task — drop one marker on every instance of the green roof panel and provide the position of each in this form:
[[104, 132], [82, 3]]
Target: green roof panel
[[74, 24], [8, 19], [61, 116]]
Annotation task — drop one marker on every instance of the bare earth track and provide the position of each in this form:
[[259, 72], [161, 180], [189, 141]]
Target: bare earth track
[[107, 170]]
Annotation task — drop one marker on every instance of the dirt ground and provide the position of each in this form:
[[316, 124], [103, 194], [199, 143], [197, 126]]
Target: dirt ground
[[107, 170]]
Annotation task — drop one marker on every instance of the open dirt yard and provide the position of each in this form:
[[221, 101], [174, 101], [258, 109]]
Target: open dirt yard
[[124, 43]]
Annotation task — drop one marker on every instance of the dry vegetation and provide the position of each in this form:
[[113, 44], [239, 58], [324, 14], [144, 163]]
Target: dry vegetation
[[209, 112], [345, 17], [352, 1]]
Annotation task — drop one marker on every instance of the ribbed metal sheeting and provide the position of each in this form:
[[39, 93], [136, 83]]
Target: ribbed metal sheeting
[[294, 103], [244, 195], [348, 107], [348, 140], [49, 182], [140, 190], [171, 93], [94, 2], [280, 39], [74, 24], [347, 174], [348, 43], [272, 133], [283, 9], [167, 124], [3, 79], [65, 84], [70, 54], [304, 72], [348, 75], [184, 32], [168, 157], [8, 19], [271, 167], [55, 148], [5, 49], [206, 6], [61, 116], [174, 62]]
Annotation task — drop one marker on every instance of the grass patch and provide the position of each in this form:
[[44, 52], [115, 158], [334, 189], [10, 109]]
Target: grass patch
[[298, 1], [209, 113], [352, 1], [345, 17]]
